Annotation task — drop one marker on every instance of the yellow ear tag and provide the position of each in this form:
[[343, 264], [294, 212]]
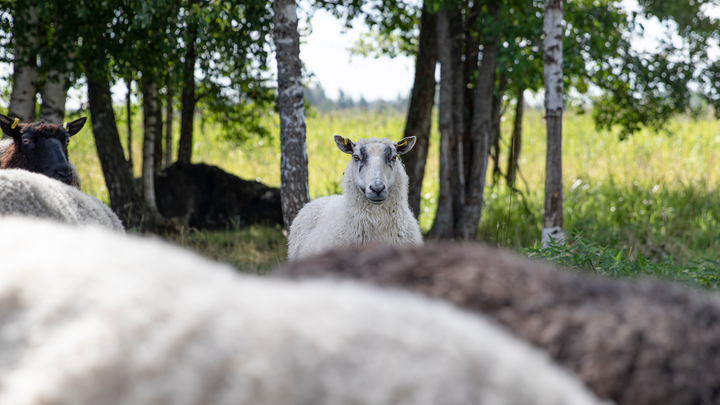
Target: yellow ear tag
[[66, 126], [402, 143], [345, 140], [14, 124]]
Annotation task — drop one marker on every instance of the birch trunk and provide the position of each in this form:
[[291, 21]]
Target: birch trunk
[[150, 125], [24, 87], [293, 162], [54, 94], [516, 142], [158, 149], [553, 75], [124, 200], [443, 227], [185, 145], [168, 124], [421, 103], [128, 111], [480, 140]]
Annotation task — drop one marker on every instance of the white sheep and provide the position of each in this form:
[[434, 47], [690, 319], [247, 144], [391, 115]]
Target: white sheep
[[372, 209], [24, 193], [113, 320]]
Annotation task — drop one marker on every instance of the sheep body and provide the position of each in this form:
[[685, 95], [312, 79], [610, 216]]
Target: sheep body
[[635, 342], [24, 193], [340, 221], [118, 320]]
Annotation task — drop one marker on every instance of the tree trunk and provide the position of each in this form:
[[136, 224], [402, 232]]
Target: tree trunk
[[421, 104], [158, 147], [553, 75], [480, 139], [497, 113], [123, 199], [443, 227], [516, 142], [185, 145], [470, 67], [24, 86], [457, 154], [168, 124], [128, 110], [293, 162], [150, 126], [54, 94]]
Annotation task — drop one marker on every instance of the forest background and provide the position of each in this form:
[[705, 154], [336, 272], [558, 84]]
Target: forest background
[[640, 167]]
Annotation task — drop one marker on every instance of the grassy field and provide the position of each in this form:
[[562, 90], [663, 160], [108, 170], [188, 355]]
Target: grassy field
[[654, 195]]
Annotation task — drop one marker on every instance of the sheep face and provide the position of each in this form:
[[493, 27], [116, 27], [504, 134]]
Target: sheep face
[[40, 147], [374, 164]]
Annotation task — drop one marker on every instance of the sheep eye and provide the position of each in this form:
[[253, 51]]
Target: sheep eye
[[67, 141], [356, 157], [394, 158], [27, 141]]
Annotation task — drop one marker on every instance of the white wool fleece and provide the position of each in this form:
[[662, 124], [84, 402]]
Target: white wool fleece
[[129, 321], [339, 221], [23, 193]]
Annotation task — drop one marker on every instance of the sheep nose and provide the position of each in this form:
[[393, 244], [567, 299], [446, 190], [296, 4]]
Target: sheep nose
[[377, 188], [64, 172]]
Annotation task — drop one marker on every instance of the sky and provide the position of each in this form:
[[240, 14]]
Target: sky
[[325, 53]]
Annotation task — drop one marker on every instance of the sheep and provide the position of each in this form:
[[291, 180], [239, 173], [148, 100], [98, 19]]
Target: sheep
[[40, 147], [634, 342], [373, 207], [112, 320], [24, 193]]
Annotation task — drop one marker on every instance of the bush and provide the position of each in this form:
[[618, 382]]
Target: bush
[[582, 254]]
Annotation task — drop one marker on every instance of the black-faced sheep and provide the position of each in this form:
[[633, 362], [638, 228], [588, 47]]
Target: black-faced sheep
[[636, 342], [112, 320], [39, 147], [373, 207], [23, 193]]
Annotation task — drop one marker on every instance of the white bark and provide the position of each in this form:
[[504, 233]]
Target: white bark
[[293, 162], [24, 88], [553, 75], [54, 94], [150, 108]]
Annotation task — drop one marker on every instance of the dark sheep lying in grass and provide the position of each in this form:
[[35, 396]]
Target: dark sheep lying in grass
[[40, 147], [635, 342]]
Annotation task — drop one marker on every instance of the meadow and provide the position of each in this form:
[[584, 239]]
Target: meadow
[[653, 197]]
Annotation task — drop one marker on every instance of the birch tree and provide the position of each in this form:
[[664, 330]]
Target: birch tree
[[25, 76], [293, 162], [151, 136], [553, 76]]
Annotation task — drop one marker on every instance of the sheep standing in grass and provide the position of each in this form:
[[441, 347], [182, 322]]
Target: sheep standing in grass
[[635, 342], [373, 206], [40, 147], [111, 320], [23, 193]]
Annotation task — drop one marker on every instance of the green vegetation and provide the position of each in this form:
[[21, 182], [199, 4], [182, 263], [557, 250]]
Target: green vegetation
[[653, 197]]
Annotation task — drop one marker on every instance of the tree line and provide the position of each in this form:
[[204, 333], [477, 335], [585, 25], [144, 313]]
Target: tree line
[[214, 54]]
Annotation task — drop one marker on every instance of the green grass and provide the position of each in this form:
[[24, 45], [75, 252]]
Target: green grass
[[652, 196]]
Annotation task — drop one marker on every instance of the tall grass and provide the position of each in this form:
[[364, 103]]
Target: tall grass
[[654, 194]]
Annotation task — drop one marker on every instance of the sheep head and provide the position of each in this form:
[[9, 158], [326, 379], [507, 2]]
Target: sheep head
[[374, 164], [40, 147]]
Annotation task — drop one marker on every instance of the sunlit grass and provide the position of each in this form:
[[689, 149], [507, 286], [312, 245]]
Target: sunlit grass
[[655, 193]]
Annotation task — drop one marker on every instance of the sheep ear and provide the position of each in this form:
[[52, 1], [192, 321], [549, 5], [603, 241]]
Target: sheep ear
[[405, 145], [345, 144], [74, 127], [10, 126]]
